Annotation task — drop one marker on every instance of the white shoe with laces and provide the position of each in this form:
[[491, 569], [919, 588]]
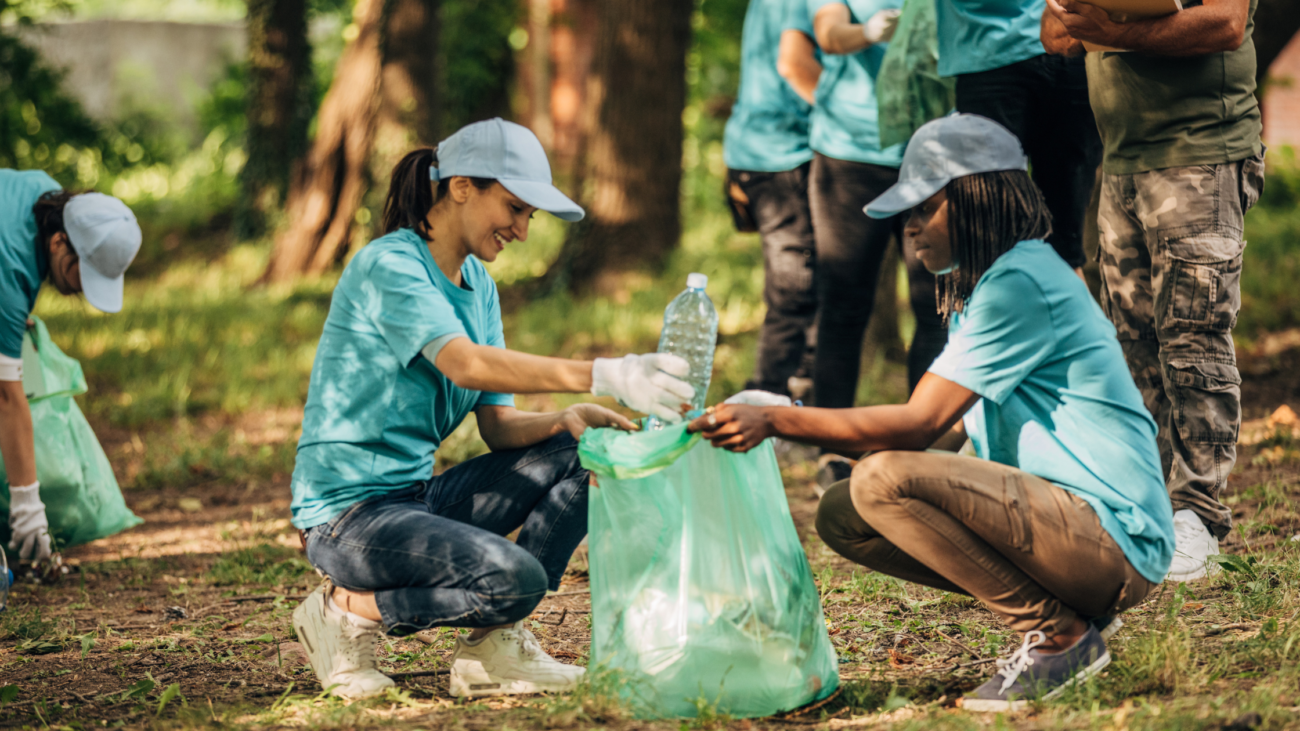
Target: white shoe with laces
[[1193, 546], [508, 662], [341, 650]]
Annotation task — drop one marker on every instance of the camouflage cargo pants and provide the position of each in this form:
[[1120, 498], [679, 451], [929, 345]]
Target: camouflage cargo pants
[[1170, 256]]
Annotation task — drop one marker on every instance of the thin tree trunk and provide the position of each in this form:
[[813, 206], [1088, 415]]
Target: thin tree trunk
[[573, 34], [635, 96], [1276, 23], [279, 107], [326, 193], [410, 73]]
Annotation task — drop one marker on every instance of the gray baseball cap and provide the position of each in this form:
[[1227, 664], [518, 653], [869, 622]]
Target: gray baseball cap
[[106, 237], [509, 154], [947, 148]]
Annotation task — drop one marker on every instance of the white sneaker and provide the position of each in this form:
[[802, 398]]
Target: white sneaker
[[1193, 546], [508, 662], [340, 650]]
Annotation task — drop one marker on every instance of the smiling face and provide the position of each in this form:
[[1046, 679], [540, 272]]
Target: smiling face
[[65, 267], [490, 219], [926, 232]]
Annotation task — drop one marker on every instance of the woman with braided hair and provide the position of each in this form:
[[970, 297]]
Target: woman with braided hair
[[1062, 521]]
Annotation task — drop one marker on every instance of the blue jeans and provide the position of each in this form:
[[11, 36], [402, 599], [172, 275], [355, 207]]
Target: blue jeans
[[434, 553]]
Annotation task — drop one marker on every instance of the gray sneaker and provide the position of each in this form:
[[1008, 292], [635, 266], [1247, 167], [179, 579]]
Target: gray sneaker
[[1032, 675]]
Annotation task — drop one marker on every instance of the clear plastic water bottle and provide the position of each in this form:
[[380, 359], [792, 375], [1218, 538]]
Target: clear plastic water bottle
[[691, 331]]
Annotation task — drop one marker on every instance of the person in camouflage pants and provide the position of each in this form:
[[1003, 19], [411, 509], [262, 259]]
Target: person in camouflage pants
[[1170, 256]]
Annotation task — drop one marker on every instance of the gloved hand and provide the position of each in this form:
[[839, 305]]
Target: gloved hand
[[880, 27], [757, 397], [28, 525], [649, 383]]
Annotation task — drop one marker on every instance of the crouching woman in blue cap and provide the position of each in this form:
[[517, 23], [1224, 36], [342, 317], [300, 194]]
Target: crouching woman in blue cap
[[412, 344], [1063, 521], [80, 243]]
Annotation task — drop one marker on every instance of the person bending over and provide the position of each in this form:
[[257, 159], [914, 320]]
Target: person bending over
[[1063, 521], [79, 243], [412, 344]]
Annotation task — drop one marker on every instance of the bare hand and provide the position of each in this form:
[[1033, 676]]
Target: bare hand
[[579, 417], [733, 427], [1084, 22]]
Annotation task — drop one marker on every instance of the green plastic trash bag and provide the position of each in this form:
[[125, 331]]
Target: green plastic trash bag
[[701, 594], [82, 499], [909, 90]]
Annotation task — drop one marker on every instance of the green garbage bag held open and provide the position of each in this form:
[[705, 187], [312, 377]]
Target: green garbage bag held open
[[82, 499], [909, 89], [701, 594]]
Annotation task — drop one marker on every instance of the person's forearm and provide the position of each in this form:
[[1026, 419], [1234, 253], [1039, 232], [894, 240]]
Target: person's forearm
[[508, 428], [871, 428], [1055, 39], [797, 63], [842, 39], [17, 444], [497, 370], [1196, 31]]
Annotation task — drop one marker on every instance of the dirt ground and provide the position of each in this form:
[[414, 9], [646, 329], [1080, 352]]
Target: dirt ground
[[199, 598]]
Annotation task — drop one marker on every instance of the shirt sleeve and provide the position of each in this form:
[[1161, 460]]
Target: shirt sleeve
[[799, 18], [406, 307], [1004, 334], [496, 338], [13, 315]]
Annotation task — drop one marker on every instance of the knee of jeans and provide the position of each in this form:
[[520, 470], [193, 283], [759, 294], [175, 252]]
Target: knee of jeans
[[514, 588], [877, 477], [835, 513]]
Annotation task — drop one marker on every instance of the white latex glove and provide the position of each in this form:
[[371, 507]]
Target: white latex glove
[[648, 383], [880, 27], [756, 397], [30, 529]]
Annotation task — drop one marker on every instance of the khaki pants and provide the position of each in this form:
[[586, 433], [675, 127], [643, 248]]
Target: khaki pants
[[1035, 554]]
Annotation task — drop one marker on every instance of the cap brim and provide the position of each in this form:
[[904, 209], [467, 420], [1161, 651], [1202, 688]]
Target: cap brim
[[101, 291], [546, 197], [903, 196]]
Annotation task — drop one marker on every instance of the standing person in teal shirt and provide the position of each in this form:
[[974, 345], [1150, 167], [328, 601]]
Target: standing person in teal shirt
[[849, 169], [1062, 522], [80, 243], [768, 161], [413, 343], [1003, 73]]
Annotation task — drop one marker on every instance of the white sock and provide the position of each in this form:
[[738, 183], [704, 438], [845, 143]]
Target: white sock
[[355, 618]]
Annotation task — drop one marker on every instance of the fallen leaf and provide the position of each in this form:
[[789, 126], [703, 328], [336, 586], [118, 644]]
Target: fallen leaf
[[190, 504], [899, 659], [143, 610], [232, 625], [1193, 606], [1284, 416]]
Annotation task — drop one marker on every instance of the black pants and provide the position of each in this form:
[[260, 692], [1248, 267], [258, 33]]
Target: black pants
[[779, 204], [850, 248], [1044, 102]]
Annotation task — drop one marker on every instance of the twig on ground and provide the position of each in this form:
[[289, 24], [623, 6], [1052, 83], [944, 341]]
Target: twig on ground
[[418, 673], [1219, 629], [958, 643], [804, 710]]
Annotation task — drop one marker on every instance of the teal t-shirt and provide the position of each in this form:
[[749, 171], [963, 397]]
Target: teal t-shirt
[[768, 128], [376, 408], [845, 120], [23, 264], [979, 35], [1058, 401]]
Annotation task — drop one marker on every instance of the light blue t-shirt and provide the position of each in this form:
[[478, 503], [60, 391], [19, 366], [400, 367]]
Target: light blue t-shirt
[[768, 128], [376, 408], [845, 120], [23, 264], [978, 35], [1058, 401]]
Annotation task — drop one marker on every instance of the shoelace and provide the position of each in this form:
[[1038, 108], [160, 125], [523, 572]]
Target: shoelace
[[1019, 662]]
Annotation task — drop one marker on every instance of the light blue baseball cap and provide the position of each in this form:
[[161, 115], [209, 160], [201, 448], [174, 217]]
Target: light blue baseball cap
[[947, 148], [509, 154], [106, 237]]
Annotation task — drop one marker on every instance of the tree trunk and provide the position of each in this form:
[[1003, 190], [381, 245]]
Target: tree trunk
[[409, 90], [1276, 22], [573, 34], [635, 96], [279, 107], [327, 191]]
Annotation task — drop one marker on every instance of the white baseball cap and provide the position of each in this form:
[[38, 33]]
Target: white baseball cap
[[947, 148], [106, 237], [509, 154]]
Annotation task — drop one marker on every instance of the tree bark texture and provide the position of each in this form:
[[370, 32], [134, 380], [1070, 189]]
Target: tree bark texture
[[280, 107], [635, 96], [327, 192], [573, 34], [409, 88]]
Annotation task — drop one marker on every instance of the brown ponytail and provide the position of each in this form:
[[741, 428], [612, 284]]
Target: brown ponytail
[[410, 197]]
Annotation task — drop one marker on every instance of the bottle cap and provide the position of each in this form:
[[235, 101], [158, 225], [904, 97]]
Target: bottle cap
[[695, 280]]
